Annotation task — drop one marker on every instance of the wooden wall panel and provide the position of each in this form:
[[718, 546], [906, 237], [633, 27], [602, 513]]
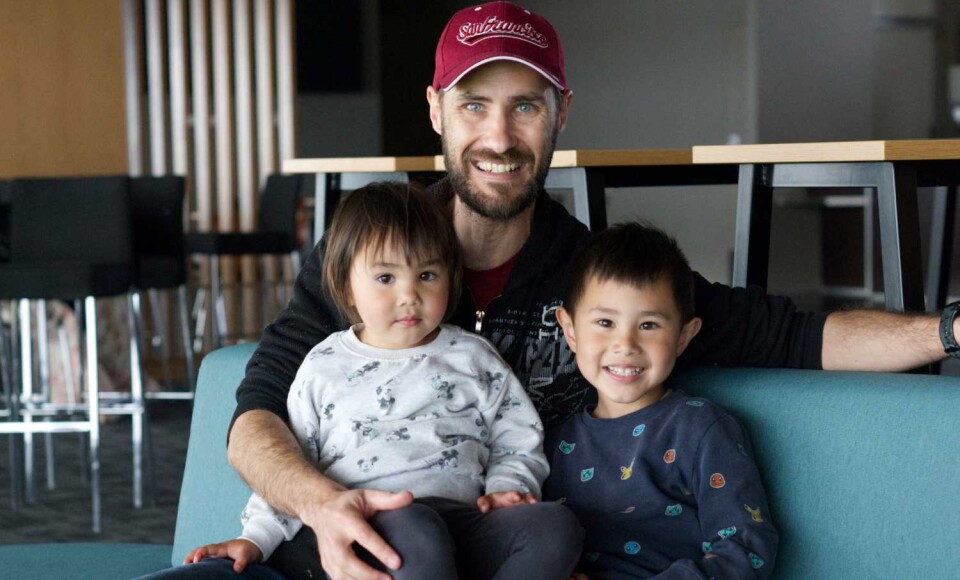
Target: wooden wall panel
[[61, 88]]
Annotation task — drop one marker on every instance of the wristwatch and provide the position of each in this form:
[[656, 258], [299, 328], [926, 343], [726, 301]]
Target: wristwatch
[[947, 338]]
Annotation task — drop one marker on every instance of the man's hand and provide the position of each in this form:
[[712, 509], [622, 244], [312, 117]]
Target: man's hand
[[341, 520], [502, 499], [242, 552]]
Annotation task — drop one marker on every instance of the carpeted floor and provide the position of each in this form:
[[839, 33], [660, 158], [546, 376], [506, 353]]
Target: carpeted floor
[[63, 514]]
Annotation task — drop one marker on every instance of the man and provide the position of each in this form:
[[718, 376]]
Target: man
[[499, 99]]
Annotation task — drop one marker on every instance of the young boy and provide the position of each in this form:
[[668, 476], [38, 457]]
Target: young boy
[[664, 483]]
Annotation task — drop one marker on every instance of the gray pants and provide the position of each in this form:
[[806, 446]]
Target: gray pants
[[440, 538]]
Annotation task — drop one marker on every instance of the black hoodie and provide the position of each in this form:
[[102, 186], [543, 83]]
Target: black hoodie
[[741, 327]]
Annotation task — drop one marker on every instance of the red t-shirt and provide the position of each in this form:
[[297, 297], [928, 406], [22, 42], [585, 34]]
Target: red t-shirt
[[485, 285]]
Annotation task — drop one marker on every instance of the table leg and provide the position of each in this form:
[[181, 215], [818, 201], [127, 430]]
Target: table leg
[[900, 237], [751, 251], [940, 257], [589, 197]]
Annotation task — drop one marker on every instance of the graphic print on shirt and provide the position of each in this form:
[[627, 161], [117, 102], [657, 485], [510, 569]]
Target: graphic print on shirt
[[401, 434], [631, 548], [364, 427], [326, 351], [638, 429], [673, 510], [447, 460], [756, 561], [545, 355], [626, 472], [509, 404], [370, 367], [366, 465], [717, 481], [566, 448], [444, 388], [587, 474], [385, 398], [490, 381], [670, 456], [328, 411], [707, 547], [754, 513], [727, 532], [695, 403]]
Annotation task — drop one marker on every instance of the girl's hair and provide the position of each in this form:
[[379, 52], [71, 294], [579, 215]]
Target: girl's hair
[[381, 213]]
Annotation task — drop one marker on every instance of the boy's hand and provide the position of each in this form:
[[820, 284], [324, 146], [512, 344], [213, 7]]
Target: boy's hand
[[502, 499], [242, 552]]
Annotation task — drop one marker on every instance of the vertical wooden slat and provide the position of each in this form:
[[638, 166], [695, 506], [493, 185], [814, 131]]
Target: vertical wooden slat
[[200, 71], [266, 136], [133, 61], [266, 115], [245, 159], [176, 38], [224, 151], [285, 78], [156, 73]]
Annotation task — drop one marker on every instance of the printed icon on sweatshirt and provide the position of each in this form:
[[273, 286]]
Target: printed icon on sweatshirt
[[674, 510], [638, 429], [586, 474], [695, 403], [670, 456], [727, 532], [707, 547], [626, 472], [629, 510], [566, 448], [717, 481], [756, 561], [631, 548], [754, 513]]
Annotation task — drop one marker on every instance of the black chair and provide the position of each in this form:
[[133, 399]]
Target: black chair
[[161, 263], [71, 239], [276, 237]]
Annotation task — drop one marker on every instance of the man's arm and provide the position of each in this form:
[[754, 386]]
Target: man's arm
[[875, 340]]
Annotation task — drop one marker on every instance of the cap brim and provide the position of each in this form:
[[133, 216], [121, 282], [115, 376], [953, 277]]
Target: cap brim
[[456, 75]]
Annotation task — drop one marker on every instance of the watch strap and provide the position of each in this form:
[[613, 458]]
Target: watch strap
[[947, 337]]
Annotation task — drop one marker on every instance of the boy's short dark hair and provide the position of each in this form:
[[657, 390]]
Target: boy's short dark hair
[[635, 253], [384, 212]]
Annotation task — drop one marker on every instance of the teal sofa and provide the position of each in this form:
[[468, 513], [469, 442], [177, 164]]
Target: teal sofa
[[862, 470]]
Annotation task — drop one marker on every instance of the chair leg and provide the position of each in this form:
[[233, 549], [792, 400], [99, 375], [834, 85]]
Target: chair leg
[[200, 316], [6, 378], [26, 393], [185, 338], [159, 339], [89, 329], [43, 360], [136, 392], [216, 303]]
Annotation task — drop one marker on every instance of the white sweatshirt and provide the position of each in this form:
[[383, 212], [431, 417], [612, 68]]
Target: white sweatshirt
[[446, 419]]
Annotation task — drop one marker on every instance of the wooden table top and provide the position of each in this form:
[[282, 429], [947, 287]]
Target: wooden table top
[[842, 151], [565, 158]]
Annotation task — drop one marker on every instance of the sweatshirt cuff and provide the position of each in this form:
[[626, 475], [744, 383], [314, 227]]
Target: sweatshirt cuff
[[264, 540]]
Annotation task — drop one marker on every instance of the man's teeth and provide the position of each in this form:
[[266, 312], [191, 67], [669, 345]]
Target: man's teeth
[[625, 371], [497, 167]]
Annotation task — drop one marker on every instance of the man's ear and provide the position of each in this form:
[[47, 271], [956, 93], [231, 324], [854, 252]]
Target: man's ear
[[433, 100], [689, 330], [566, 101], [566, 323]]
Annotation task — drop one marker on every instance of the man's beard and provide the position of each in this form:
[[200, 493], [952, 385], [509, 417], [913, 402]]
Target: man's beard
[[502, 207]]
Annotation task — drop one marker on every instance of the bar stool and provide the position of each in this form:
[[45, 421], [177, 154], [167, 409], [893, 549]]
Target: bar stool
[[161, 263], [276, 236], [71, 239]]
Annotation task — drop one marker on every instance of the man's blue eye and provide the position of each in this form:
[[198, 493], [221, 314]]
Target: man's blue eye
[[473, 107], [525, 107]]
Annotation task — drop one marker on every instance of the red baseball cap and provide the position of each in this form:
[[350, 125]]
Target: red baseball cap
[[497, 31]]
